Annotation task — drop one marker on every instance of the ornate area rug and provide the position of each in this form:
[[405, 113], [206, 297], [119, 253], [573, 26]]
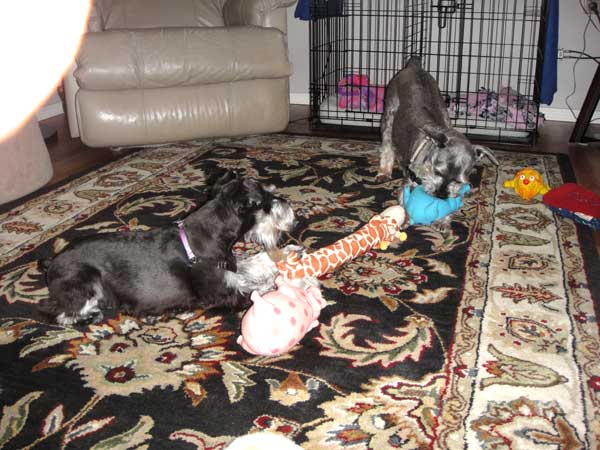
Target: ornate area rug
[[482, 336]]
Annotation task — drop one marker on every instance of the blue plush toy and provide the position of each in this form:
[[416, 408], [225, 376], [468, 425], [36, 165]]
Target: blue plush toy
[[424, 209]]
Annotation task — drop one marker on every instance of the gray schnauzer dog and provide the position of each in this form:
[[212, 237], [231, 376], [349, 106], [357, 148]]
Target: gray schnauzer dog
[[179, 267], [416, 128]]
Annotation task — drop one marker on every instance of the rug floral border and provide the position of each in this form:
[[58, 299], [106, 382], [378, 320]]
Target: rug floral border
[[466, 422]]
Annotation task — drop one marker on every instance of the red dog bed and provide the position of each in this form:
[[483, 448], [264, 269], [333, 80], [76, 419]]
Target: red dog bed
[[576, 202]]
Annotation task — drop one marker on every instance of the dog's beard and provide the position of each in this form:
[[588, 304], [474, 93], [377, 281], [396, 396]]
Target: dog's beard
[[426, 177], [269, 226], [431, 184], [453, 189], [441, 182], [434, 185]]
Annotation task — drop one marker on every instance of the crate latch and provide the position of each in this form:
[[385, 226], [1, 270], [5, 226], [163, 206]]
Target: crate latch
[[445, 9]]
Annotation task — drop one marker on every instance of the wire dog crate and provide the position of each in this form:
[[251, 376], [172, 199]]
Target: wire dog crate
[[485, 55]]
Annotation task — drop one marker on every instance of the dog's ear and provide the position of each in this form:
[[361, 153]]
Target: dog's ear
[[481, 151], [228, 190], [218, 183], [436, 133], [226, 177], [241, 194], [254, 193]]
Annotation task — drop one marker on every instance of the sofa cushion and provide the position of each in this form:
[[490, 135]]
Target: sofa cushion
[[114, 60]]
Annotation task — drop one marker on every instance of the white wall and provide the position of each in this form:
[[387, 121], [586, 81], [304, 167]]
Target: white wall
[[570, 36], [299, 56], [571, 25]]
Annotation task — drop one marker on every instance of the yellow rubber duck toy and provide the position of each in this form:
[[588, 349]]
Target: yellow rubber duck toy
[[527, 183]]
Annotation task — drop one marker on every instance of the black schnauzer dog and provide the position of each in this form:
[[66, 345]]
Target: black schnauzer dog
[[181, 267]]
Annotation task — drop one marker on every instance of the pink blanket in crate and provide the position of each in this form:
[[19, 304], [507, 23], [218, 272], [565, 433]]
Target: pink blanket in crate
[[355, 93]]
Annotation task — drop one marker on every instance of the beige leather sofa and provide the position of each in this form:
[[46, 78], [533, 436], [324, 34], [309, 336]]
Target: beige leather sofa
[[154, 71]]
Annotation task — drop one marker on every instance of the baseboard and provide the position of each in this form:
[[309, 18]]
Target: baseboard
[[554, 114], [563, 115], [55, 109]]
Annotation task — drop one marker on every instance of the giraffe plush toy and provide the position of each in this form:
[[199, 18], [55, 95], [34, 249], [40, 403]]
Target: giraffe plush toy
[[279, 319], [380, 230]]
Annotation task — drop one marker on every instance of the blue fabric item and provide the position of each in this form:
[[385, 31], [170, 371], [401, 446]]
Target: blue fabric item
[[424, 209], [549, 68], [302, 10], [323, 8]]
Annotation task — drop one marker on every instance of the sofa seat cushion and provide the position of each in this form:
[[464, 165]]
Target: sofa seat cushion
[[159, 58], [152, 116]]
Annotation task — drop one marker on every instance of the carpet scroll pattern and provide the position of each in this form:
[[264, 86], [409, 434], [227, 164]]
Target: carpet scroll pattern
[[480, 336]]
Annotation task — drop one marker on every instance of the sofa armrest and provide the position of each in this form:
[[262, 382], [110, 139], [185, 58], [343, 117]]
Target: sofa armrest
[[264, 13]]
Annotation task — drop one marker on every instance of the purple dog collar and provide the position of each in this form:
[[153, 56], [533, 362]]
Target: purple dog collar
[[186, 243]]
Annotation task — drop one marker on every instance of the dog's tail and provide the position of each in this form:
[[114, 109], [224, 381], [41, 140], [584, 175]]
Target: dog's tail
[[415, 60]]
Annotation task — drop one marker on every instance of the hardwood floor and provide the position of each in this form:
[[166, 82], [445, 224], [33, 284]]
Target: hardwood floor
[[70, 156]]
